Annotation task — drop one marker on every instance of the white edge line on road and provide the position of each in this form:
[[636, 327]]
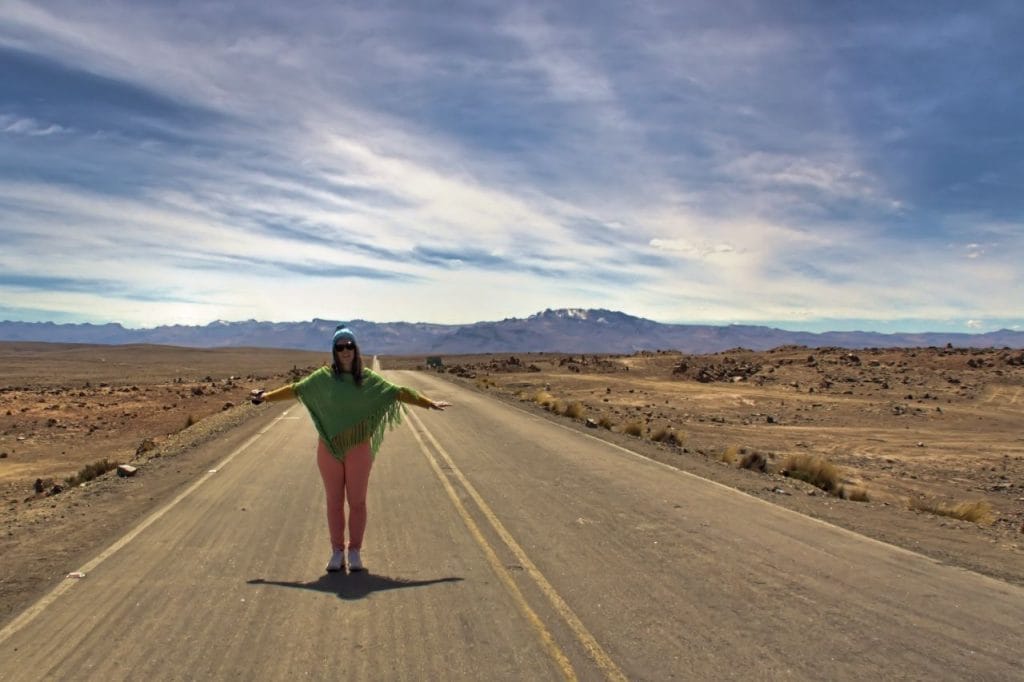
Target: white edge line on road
[[29, 614], [587, 640], [766, 502], [840, 529]]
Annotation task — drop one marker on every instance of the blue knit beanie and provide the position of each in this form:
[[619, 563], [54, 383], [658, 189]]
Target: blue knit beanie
[[342, 332]]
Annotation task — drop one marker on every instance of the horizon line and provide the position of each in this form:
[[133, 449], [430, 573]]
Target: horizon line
[[766, 324]]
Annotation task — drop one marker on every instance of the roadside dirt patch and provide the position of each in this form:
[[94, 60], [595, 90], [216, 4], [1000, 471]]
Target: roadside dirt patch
[[63, 407], [910, 430]]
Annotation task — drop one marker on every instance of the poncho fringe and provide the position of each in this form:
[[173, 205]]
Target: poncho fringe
[[345, 414], [386, 419]]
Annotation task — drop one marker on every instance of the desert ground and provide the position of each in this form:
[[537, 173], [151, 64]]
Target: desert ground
[[64, 407], [921, 448]]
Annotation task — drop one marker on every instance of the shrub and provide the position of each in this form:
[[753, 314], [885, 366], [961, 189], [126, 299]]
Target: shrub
[[544, 399], [854, 493], [814, 470], [754, 461], [730, 454], [574, 410], [90, 471], [604, 423], [190, 421], [633, 429], [667, 435], [978, 511], [145, 446]]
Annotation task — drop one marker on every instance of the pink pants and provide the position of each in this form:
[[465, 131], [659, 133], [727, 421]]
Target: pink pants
[[351, 476]]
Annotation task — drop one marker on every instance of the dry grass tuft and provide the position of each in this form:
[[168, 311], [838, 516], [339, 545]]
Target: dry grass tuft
[[854, 493], [90, 471], [667, 435], [730, 454], [605, 423], [978, 511], [575, 410], [633, 429], [544, 399], [814, 470]]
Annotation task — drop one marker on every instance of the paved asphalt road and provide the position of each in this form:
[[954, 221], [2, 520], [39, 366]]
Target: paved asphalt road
[[504, 546]]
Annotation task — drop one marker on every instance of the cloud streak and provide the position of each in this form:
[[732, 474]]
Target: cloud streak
[[694, 162], [28, 126]]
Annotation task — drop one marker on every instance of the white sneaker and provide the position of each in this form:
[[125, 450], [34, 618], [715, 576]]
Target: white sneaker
[[337, 562], [354, 562]]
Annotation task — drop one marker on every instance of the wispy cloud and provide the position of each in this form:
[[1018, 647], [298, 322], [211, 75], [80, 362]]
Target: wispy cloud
[[681, 161], [28, 126], [690, 250]]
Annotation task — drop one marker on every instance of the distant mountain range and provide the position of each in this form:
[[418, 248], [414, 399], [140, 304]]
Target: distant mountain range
[[568, 330]]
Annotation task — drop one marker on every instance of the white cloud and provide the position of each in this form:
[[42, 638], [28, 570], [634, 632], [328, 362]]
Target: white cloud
[[333, 131], [690, 250], [836, 175], [974, 324], [561, 56], [93, 235], [28, 126], [974, 251]]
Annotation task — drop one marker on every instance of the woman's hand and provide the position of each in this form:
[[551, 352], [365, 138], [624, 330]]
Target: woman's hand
[[440, 404]]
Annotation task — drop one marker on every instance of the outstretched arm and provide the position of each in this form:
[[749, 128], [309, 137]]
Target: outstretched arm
[[413, 398], [283, 393]]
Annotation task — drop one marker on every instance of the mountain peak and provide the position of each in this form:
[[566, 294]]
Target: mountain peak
[[569, 330], [562, 314]]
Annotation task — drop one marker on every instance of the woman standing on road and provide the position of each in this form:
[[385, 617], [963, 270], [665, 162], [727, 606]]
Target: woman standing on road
[[351, 407]]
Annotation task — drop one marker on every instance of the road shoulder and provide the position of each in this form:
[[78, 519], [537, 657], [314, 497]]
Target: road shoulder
[[58, 534]]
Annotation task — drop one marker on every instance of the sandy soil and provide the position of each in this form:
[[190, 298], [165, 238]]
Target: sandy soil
[[916, 431], [934, 426], [65, 406]]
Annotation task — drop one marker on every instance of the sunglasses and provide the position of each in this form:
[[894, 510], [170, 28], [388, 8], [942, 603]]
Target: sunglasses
[[344, 346]]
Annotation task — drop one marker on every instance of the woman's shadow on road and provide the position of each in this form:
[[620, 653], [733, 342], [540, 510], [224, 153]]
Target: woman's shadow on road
[[353, 585]]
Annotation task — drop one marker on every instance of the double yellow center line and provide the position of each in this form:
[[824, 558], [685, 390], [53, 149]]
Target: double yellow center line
[[590, 645]]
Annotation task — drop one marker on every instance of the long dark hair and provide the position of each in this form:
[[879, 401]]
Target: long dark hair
[[357, 365]]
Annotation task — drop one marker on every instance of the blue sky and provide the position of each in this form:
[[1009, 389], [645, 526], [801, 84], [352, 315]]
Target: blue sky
[[810, 165]]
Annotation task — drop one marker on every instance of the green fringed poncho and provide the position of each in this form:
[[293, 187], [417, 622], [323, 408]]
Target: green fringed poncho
[[345, 414]]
